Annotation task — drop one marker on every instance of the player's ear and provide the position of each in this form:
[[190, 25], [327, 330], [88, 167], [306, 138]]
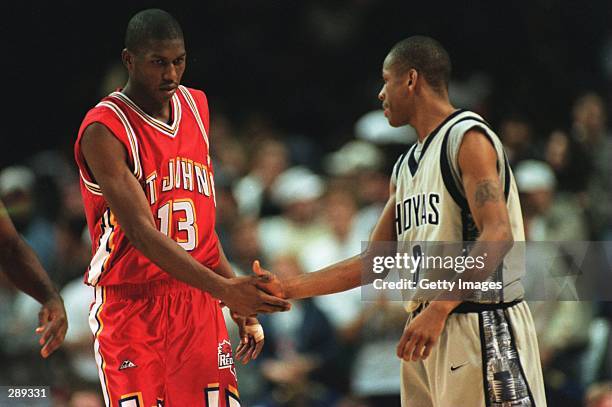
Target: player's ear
[[411, 78], [126, 57]]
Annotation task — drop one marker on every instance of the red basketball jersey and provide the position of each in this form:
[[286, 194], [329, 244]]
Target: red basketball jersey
[[172, 163]]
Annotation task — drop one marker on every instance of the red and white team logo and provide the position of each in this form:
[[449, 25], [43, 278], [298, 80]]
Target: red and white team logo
[[226, 360]]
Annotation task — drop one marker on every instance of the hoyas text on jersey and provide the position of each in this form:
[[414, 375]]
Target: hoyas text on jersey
[[417, 210]]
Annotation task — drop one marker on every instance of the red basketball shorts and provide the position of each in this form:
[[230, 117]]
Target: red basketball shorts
[[162, 343]]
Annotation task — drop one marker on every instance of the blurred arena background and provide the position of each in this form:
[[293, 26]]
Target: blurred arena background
[[302, 161]]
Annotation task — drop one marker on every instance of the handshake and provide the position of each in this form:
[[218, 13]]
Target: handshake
[[261, 292]]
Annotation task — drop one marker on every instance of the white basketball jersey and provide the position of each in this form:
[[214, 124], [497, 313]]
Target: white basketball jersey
[[430, 200]]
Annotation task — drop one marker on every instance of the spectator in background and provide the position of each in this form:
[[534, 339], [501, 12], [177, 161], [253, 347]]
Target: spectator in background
[[253, 192], [340, 240], [562, 323], [227, 216], [360, 163], [229, 153], [599, 395], [17, 191], [590, 131], [569, 162], [84, 375], [516, 136], [548, 216], [297, 192], [299, 360], [245, 245], [374, 378], [72, 248]]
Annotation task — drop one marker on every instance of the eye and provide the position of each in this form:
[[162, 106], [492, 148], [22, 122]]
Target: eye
[[158, 61]]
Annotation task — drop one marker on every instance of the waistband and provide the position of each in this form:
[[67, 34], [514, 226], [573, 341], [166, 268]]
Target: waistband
[[469, 307], [148, 289]]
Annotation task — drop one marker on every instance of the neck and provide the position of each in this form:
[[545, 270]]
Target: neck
[[151, 106], [429, 115]]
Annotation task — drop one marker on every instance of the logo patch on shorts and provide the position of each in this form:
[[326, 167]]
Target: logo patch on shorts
[[224, 356], [127, 364], [453, 368]]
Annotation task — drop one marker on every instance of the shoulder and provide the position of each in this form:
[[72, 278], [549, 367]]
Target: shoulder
[[198, 95], [105, 112], [469, 133], [468, 122]]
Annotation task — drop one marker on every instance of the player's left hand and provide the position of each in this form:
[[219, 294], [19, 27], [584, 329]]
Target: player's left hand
[[53, 325], [421, 334], [251, 338]]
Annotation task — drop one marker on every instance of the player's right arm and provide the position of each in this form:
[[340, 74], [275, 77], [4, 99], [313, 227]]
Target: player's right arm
[[107, 161], [338, 277]]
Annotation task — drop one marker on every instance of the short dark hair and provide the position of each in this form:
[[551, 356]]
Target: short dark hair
[[151, 25], [427, 56]]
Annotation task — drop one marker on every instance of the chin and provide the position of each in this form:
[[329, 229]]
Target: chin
[[393, 123]]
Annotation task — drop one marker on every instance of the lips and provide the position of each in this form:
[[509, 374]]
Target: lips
[[168, 88]]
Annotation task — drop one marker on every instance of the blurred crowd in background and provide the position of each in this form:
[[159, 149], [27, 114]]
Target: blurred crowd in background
[[304, 196]]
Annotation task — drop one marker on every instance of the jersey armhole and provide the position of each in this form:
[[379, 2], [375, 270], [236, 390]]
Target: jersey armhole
[[451, 173], [200, 112], [133, 161]]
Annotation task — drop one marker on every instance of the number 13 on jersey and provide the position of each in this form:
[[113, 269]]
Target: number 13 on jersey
[[182, 212]]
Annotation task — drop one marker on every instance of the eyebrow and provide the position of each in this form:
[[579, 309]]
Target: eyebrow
[[163, 57]]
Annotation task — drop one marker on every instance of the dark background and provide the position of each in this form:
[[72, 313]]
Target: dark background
[[310, 67]]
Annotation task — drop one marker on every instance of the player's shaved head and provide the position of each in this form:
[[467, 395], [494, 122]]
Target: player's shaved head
[[424, 54], [151, 25]]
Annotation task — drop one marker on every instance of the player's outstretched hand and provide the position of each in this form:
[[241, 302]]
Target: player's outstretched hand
[[421, 334], [52, 327], [243, 297], [268, 281], [251, 338]]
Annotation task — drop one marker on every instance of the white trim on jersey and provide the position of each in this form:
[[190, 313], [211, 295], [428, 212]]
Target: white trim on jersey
[[96, 326], [98, 261], [130, 134], [90, 186], [194, 108], [169, 130]]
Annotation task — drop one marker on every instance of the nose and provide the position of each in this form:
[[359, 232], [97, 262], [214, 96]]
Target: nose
[[381, 94], [170, 74]]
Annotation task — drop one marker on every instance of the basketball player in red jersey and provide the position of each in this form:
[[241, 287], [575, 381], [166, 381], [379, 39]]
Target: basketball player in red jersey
[[158, 268], [20, 264]]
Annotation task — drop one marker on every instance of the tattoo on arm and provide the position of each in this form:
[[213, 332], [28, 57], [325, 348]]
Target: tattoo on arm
[[486, 191]]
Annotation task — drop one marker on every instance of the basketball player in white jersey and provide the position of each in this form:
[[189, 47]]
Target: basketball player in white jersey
[[454, 352]]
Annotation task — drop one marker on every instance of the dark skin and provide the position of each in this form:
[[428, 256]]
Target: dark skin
[[407, 98], [248, 348], [24, 270], [154, 75], [155, 71]]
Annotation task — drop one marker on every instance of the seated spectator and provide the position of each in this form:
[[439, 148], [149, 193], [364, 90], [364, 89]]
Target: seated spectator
[[298, 362]]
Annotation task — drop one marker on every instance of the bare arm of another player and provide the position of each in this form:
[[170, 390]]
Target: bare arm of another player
[[485, 196], [339, 277], [106, 158], [24, 270]]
